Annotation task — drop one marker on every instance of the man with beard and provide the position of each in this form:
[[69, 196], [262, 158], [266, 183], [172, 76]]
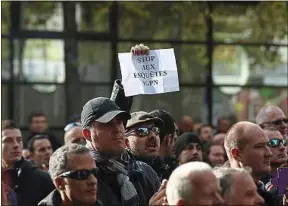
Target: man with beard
[[168, 134], [247, 145], [188, 148], [273, 116], [214, 154], [142, 139]]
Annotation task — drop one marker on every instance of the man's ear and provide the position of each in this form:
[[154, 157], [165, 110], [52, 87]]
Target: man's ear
[[167, 140], [87, 134], [59, 183], [235, 154]]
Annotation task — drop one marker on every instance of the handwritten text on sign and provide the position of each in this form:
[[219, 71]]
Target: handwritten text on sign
[[149, 74]]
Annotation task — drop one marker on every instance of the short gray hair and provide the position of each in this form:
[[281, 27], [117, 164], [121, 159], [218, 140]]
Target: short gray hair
[[265, 113], [59, 159], [224, 176], [179, 186]]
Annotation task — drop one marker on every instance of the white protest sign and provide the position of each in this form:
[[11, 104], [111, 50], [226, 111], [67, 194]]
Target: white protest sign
[[155, 73]]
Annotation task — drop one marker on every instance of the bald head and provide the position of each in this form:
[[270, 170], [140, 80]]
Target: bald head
[[247, 145], [269, 114], [236, 137], [74, 135]]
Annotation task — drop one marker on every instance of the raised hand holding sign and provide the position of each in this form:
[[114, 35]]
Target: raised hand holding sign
[[148, 71]]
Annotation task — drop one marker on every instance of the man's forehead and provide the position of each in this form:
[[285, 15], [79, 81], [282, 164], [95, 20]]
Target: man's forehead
[[273, 134], [193, 144], [41, 142], [86, 160], [11, 133]]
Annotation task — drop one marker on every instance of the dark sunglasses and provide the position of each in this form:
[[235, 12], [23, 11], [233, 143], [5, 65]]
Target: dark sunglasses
[[279, 122], [144, 131], [80, 174], [68, 127], [275, 142]]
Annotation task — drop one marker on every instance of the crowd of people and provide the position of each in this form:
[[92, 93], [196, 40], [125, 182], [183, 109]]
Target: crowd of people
[[112, 156]]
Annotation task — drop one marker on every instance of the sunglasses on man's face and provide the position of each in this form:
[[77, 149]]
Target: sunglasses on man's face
[[275, 142], [144, 131], [80, 174], [68, 127], [279, 122]]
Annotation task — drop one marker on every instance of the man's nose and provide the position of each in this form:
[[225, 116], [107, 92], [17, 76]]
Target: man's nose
[[92, 179], [282, 147], [152, 135], [16, 144], [268, 152]]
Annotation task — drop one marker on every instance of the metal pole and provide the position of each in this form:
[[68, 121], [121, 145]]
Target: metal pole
[[14, 27], [210, 48], [115, 36]]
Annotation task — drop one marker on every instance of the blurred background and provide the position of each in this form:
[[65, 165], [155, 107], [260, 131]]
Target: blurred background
[[232, 57]]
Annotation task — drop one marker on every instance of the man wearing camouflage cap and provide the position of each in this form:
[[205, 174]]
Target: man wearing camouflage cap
[[142, 139]]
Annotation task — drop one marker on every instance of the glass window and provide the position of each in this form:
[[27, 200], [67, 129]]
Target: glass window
[[250, 22], [5, 53], [177, 103], [39, 60], [245, 104], [93, 91], [239, 65], [191, 60], [42, 16], [5, 17], [93, 16], [94, 61], [154, 20], [4, 101], [28, 100]]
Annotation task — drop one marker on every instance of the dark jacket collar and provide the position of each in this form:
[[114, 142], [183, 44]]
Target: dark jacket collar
[[53, 199]]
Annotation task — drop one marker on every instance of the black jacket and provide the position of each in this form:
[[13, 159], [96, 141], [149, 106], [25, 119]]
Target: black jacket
[[269, 198], [53, 199], [145, 181], [29, 182], [162, 169]]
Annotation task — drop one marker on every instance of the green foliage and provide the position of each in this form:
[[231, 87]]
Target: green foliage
[[253, 22]]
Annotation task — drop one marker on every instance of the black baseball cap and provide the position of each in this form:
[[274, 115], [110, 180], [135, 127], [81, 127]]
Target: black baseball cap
[[101, 109]]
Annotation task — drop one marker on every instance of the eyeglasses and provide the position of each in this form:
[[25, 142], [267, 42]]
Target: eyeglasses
[[144, 131], [278, 122], [80, 174], [275, 142], [68, 127]]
